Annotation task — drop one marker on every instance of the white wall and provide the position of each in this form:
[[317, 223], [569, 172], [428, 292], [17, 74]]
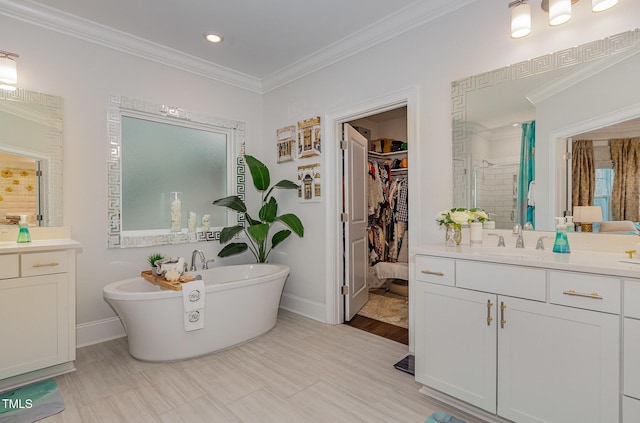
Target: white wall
[[84, 75], [473, 40]]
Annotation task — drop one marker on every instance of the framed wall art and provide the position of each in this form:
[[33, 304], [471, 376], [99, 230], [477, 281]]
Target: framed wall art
[[285, 140], [309, 183], [309, 139]]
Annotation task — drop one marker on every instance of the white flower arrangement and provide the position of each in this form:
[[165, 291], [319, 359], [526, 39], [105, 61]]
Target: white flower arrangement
[[461, 216]]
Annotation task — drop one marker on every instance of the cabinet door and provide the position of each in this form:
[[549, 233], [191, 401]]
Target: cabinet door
[[557, 364], [35, 323], [456, 343]]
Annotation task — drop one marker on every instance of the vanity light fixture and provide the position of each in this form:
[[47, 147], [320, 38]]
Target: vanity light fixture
[[559, 12], [8, 71], [213, 38]]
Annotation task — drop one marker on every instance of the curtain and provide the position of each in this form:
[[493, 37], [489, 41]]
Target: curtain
[[583, 173], [625, 154], [527, 174]]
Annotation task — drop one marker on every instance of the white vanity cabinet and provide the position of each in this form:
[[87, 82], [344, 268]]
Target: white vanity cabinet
[[493, 339], [631, 331], [37, 311]]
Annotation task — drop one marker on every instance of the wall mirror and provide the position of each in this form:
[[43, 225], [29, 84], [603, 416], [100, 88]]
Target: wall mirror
[[568, 94], [156, 151], [30, 157]]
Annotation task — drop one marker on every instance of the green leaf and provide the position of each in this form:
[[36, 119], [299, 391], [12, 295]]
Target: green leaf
[[251, 220], [285, 184], [259, 173], [269, 210], [258, 232], [233, 202], [279, 236], [293, 222], [229, 232], [233, 248]]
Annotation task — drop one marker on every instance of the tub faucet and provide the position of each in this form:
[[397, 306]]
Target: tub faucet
[[200, 254], [206, 263]]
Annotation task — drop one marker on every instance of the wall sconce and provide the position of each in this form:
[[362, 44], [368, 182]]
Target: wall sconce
[[559, 12], [8, 71]]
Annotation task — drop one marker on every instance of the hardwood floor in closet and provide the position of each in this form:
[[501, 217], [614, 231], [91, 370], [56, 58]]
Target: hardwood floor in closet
[[301, 371], [376, 327]]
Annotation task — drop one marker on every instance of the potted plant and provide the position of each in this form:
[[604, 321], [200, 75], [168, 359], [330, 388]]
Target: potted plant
[[258, 226], [152, 259]]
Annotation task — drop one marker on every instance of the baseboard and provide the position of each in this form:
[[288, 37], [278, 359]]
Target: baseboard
[[304, 307], [99, 331]]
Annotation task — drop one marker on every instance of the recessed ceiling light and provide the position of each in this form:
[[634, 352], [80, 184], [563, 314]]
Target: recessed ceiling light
[[213, 38]]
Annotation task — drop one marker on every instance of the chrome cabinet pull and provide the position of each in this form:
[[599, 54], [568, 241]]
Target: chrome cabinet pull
[[489, 318], [502, 320], [429, 272], [593, 295], [52, 264]]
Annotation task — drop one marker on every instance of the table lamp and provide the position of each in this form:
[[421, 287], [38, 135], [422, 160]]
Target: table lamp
[[586, 215]]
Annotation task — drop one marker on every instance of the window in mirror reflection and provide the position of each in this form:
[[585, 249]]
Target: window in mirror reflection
[[159, 158], [19, 188]]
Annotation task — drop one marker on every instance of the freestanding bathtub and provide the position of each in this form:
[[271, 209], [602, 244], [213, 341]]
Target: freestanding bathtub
[[241, 303]]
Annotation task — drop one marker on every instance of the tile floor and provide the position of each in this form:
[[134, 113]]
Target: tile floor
[[301, 371]]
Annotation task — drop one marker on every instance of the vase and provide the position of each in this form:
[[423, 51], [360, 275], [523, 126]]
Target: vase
[[453, 234], [475, 233]]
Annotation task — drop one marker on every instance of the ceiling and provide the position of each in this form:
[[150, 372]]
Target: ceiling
[[266, 43]]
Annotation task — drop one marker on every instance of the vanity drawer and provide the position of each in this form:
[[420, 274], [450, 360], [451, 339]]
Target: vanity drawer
[[590, 292], [502, 279], [45, 263], [435, 270], [9, 266]]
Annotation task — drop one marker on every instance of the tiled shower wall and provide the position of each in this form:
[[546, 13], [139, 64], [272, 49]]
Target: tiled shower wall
[[18, 189], [497, 193]]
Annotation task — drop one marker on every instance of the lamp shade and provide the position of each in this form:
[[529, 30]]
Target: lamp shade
[[600, 5], [587, 214], [8, 70], [559, 11], [520, 20]]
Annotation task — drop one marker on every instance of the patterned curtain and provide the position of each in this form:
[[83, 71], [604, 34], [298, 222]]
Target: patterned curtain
[[526, 204], [625, 154], [583, 173]]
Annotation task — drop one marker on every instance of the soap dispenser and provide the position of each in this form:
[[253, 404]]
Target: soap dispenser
[[23, 232], [571, 227], [561, 244]]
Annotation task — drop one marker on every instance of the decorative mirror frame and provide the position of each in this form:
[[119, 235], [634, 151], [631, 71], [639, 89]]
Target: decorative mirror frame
[[119, 104], [584, 53], [52, 192]]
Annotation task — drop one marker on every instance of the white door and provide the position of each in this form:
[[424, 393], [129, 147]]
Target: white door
[[355, 229]]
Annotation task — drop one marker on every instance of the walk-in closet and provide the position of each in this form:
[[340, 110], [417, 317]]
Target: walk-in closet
[[386, 311]]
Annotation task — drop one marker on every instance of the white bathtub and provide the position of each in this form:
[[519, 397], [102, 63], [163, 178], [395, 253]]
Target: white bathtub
[[241, 303]]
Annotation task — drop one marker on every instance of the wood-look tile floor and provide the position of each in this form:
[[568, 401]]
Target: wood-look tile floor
[[301, 371]]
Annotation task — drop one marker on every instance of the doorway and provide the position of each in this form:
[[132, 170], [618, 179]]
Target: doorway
[[375, 229]]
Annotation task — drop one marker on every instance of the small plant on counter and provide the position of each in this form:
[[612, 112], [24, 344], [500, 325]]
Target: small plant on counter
[[257, 230], [153, 258]]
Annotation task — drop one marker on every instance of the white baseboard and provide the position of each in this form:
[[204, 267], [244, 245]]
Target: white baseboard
[[99, 331], [304, 307]]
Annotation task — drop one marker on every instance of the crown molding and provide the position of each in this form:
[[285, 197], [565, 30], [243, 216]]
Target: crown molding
[[55, 20], [398, 23]]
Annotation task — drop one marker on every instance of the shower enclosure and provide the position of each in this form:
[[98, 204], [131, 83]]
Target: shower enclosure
[[495, 190]]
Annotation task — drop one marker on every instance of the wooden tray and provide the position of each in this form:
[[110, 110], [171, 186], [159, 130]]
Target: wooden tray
[[160, 280]]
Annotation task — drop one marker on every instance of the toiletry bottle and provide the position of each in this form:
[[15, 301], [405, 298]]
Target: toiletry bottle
[[23, 233], [571, 227], [561, 244]]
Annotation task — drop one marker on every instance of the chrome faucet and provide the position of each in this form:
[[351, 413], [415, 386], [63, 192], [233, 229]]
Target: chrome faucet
[[206, 263], [517, 230], [540, 243], [200, 254], [500, 239]]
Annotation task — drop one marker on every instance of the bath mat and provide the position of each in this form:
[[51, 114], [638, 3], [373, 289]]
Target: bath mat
[[387, 309], [406, 365], [442, 417], [31, 403]]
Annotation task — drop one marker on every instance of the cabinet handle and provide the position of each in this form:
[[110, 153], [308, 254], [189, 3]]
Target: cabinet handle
[[593, 295], [502, 320], [52, 264], [429, 272], [489, 318]]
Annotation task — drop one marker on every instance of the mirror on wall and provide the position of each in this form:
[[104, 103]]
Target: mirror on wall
[[566, 95], [166, 166], [30, 157]]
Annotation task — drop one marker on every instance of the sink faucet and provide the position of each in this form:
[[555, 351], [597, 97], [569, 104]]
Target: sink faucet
[[517, 230], [200, 254], [500, 239], [540, 243]]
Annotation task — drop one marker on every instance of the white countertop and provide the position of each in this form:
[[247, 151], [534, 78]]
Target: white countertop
[[602, 263], [38, 245]]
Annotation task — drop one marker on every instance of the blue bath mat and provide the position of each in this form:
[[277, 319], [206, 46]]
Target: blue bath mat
[[31, 403], [442, 417]]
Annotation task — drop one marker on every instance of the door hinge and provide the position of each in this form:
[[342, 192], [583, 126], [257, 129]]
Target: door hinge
[[344, 217], [344, 289], [39, 218], [38, 173], [343, 145]]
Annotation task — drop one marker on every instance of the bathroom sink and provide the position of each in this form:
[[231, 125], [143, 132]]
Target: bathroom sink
[[517, 253]]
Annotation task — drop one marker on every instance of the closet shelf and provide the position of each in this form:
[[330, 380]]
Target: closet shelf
[[386, 155]]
